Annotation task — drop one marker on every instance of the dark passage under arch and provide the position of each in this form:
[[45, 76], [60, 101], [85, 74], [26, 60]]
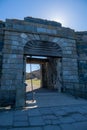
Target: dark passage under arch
[[42, 48]]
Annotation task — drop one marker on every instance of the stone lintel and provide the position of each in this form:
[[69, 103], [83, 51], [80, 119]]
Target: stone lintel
[[60, 35]]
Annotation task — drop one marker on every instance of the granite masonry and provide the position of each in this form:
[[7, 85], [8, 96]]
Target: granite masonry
[[65, 49]]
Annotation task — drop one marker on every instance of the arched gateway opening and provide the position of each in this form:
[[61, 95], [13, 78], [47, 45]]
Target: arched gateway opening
[[50, 65]]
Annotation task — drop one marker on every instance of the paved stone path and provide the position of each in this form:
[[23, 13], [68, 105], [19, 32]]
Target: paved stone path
[[58, 117]]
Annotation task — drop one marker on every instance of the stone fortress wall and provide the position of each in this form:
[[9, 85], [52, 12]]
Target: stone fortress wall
[[16, 35]]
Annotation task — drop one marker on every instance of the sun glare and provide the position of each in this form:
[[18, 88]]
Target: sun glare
[[60, 20], [60, 17]]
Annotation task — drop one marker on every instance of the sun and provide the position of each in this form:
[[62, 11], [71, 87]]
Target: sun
[[60, 17], [61, 20]]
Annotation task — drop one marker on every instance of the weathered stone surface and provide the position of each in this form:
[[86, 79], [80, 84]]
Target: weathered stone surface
[[46, 111], [34, 112], [80, 125], [6, 119], [51, 127], [29, 128], [65, 50], [67, 127], [40, 21], [21, 123], [82, 62], [36, 121]]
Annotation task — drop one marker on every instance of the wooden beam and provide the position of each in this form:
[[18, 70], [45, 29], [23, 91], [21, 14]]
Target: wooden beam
[[36, 60]]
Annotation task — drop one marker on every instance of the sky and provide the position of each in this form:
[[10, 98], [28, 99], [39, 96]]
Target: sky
[[33, 67], [71, 13]]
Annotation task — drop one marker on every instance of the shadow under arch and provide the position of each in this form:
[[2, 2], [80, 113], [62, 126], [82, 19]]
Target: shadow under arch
[[42, 48]]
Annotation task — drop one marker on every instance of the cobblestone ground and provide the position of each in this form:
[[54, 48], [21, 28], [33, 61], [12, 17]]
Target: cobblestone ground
[[58, 117]]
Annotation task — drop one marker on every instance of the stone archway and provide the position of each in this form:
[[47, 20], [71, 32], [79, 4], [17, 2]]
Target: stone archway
[[19, 36], [51, 70], [66, 49], [42, 48]]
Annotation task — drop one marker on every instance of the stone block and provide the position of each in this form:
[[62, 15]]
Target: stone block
[[48, 122], [34, 112], [7, 87], [3, 129], [7, 98], [31, 37], [67, 127], [44, 37], [60, 113], [19, 113], [67, 119], [49, 117], [46, 111], [52, 127], [23, 35], [67, 72], [67, 32], [84, 38], [67, 52], [55, 122], [28, 128], [6, 119], [81, 125], [20, 118], [30, 28], [41, 30], [36, 37], [56, 39], [71, 78], [79, 117], [51, 31], [65, 44], [10, 66], [36, 121], [18, 26], [41, 21], [20, 124]]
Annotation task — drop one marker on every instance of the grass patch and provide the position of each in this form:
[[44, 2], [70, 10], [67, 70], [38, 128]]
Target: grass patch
[[36, 82]]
